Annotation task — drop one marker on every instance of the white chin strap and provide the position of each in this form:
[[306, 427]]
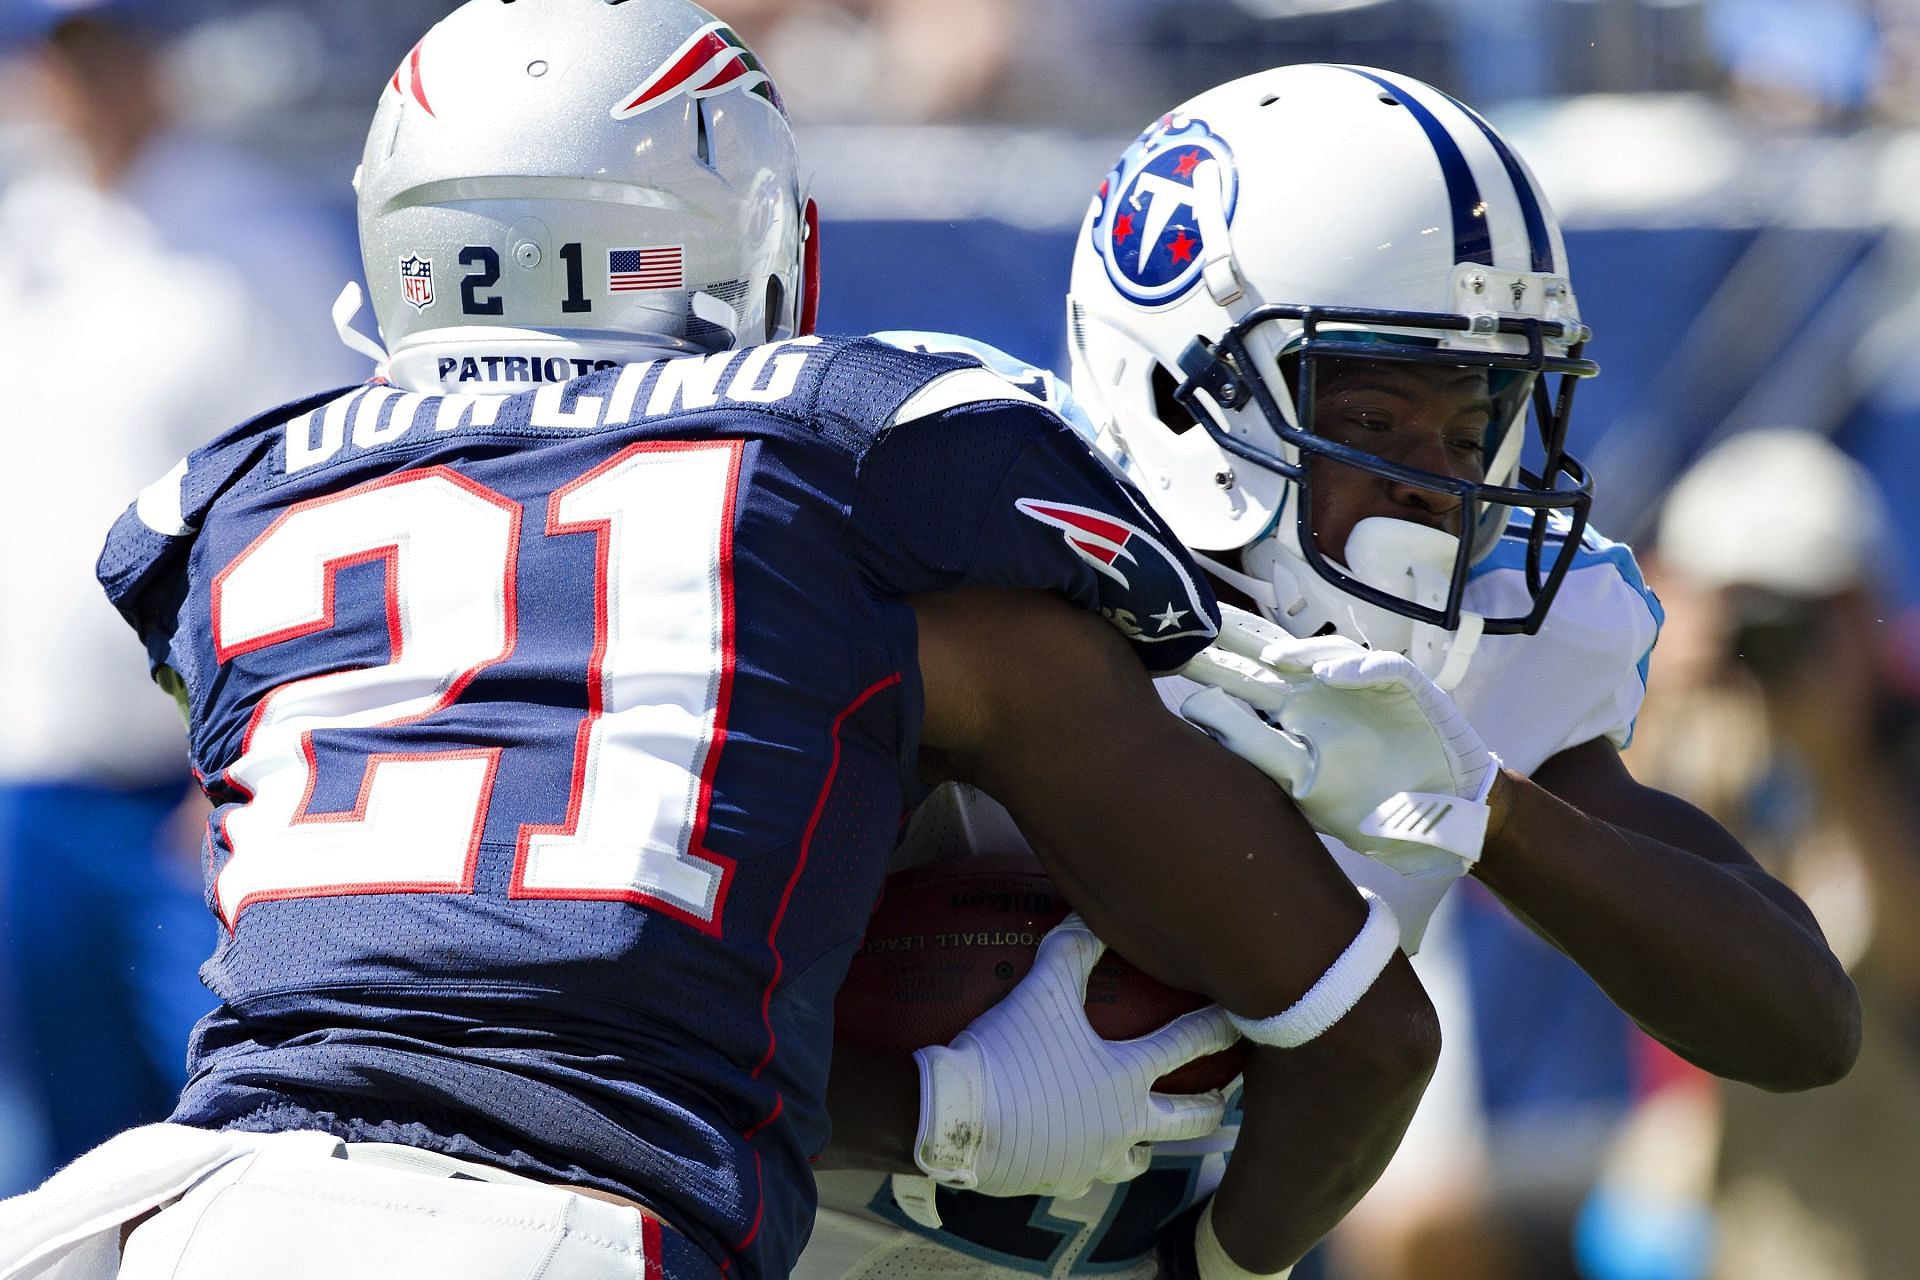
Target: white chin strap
[[345, 308], [1407, 560]]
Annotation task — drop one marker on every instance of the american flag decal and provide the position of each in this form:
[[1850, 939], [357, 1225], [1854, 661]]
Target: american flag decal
[[629, 270]]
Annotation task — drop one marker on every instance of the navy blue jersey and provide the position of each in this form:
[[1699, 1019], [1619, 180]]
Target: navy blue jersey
[[558, 741]]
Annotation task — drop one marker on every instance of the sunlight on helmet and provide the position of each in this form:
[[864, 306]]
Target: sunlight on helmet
[[548, 189], [1312, 218]]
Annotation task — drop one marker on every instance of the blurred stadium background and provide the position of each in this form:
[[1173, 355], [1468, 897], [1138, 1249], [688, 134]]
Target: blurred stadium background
[[1740, 184]]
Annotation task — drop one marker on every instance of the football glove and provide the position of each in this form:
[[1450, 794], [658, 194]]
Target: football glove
[[1029, 1100], [1371, 750]]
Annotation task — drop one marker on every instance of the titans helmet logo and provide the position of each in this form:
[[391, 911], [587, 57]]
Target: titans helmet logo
[[1147, 226]]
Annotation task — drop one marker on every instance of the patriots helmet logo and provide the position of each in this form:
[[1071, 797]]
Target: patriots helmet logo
[[713, 60], [1152, 597], [1147, 227], [409, 71]]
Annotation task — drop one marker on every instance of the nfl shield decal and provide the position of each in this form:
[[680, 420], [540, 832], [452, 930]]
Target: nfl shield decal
[[1147, 227], [416, 281]]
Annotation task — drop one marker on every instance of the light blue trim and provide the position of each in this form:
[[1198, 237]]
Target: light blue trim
[[1595, 549], [1064, 1229]]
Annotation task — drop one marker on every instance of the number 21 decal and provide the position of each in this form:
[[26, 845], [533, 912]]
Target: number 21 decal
[[658, 685]]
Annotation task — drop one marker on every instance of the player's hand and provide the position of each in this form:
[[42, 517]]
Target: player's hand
[[1370, 749], [1029, 1100]]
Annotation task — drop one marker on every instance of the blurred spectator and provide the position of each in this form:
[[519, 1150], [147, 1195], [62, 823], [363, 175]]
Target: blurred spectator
[[132, 350], [896, 61], [1502, 49], [1799, 62], [1780, 706]]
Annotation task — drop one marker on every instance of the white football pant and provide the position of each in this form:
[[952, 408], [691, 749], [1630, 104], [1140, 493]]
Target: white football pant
[[302, 1206]]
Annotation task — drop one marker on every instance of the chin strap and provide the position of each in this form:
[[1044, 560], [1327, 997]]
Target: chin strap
[[1458, 646], [718, 313], [1210, 210], [345, 308], [1405, 561], [1263, 592]]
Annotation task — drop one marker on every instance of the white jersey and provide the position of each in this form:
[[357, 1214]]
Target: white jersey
[[1580, 678]]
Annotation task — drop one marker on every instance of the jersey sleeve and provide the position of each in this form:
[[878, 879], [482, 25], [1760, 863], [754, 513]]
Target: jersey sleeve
[[143, 565], [977, 483]]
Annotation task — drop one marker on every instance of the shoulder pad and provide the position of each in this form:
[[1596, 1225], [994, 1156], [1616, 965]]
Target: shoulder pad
[[962, 387], [1041, 384], [867, 382]]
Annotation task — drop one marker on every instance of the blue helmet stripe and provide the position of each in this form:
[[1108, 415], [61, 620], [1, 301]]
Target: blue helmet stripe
[[1472, 242], [1530, 209]]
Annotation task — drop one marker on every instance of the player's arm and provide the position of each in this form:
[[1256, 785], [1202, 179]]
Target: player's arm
[[1200, 871], [1674, 920]]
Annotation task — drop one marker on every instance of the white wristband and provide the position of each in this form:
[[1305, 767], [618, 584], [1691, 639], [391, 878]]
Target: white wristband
[[1338, 989], [1211, 1260]]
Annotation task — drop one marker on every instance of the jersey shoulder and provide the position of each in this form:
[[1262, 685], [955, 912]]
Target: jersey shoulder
[[163, 518], [1042, 384], [868, 386], [1584, 674], [1604, 597], [976, 481]]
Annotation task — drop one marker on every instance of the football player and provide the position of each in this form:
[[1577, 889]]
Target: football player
[[559, 695], [1322, 317]]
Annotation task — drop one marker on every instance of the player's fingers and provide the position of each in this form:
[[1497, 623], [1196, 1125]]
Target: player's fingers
[[1128, 1165], [1176, 1117], [1069, 951], [1294, 655], [1189, 1036], [1280, 755], [1242, 677], [1247, 633], [1368, 669]]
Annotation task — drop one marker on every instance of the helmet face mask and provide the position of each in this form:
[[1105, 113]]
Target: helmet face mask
[[1228, 375], [576, 179], [1291, 223]]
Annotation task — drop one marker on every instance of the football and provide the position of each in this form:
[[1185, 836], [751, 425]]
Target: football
[[949, 939]]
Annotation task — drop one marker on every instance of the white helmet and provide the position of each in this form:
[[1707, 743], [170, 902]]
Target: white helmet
[[567, 179], [1321, 211]]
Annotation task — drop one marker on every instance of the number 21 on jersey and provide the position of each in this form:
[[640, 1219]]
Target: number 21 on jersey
[[657, 686]]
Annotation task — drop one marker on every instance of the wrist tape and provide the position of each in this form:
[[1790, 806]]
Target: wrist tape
[[1338, 989]]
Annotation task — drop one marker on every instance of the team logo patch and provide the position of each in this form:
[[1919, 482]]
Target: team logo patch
[[416, 281], [632, 270], [714, 60], [1157, 598], [1146, 226]]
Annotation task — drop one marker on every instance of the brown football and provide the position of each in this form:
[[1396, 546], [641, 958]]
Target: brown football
[[948, 940]]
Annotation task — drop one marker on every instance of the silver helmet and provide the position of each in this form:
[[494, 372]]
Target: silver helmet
[[578, 178]]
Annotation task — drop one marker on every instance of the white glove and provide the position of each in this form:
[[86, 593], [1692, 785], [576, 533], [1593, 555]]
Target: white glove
[[1371, 750], [1029, 1100]]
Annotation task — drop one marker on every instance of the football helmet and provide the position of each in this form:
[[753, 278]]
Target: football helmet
[[581, 177], [1314, 213]]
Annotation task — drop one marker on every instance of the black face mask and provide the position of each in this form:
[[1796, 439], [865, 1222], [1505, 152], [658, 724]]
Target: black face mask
[[1549, 508]]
